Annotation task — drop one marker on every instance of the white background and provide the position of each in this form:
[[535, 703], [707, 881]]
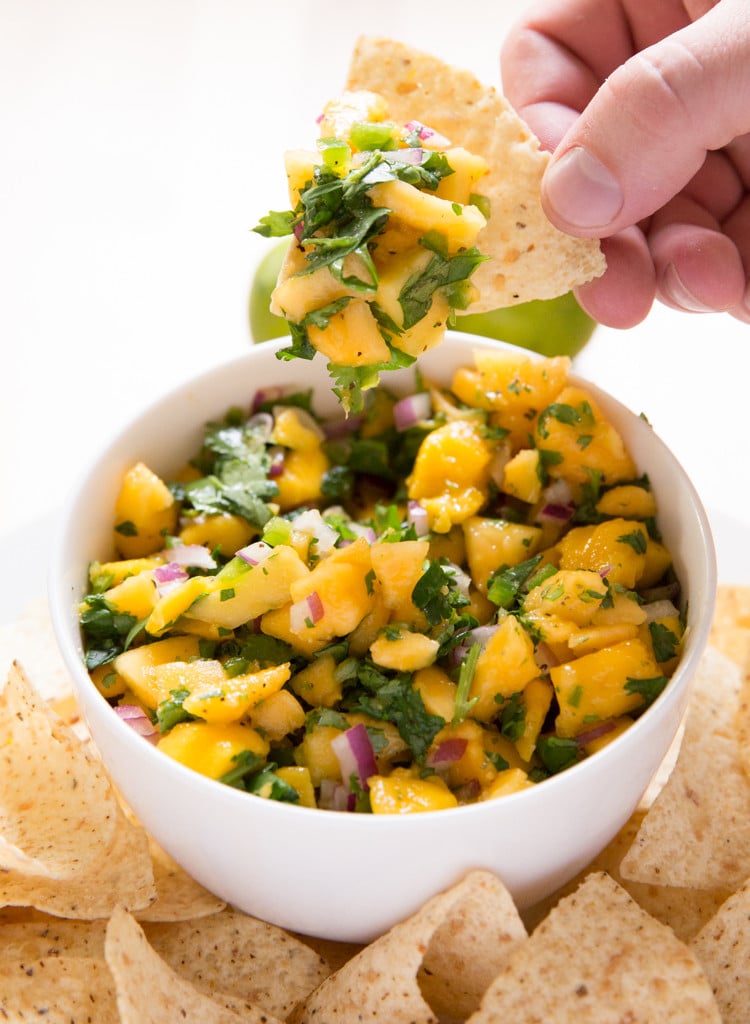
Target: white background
[[140, 141]]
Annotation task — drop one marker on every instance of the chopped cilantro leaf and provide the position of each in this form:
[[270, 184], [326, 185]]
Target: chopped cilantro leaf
[[664, 641], [649, 688]]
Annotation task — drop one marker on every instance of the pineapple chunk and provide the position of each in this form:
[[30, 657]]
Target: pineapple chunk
[[503, 668], [492, 544], [133, 666], [426, 212], [214, 696], [210, 749], [145, 511], [402, 794], [404, 651]]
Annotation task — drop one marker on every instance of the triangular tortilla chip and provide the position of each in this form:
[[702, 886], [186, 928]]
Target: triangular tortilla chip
[[60, 989], [58, 811], [530, 258], [723, 949], [684, 910], [473, 921], [698, 831], [39, 940], [240, 956], [178, 896], [149, 990], [599, 959]]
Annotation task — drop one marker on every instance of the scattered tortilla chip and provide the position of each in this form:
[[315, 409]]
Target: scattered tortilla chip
[[124, 876], [723, 949], [57, 808], [70, 989], [473, 924], [599, 959], [730, 628], [240, 956], [697, 833], [149, 990], [39, 940], [530, 258], [685, 910], [178, 896]]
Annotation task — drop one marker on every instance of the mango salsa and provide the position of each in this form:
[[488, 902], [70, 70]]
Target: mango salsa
[[446, 602]]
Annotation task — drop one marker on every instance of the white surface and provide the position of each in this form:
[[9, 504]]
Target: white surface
[[142, 140], [250, 854]]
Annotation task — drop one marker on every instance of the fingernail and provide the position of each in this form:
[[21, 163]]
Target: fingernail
[[581, 191], [674, 290]]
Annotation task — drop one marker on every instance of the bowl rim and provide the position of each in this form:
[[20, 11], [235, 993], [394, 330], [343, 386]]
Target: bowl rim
[[61, 615]]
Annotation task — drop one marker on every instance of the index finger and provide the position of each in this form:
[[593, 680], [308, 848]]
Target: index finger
[[554, 60]]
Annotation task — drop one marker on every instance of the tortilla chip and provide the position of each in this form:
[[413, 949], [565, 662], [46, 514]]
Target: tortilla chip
[[39, 940], [178, 896], [530, 258], [124, 876], [730, 628], [473, 925], [599, 958], [697, 833], [148, 989], [684, 910], [74, 989], [723, 949], [58, 811], [240, 956]]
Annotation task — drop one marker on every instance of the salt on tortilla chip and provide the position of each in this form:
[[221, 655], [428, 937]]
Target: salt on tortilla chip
[[685, 910], [382, 983], [57, 808], [697, 833], [124, 876], [240, 956], [149, 989], [598, 957], [178, 896], [59, 989], [730, 627], [723, 949], [54, 937], [530, 258]]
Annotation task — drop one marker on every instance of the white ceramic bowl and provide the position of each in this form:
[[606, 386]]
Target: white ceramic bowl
[[350, 876]]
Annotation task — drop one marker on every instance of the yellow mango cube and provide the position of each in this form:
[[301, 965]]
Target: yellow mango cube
[[136, 595], [133, 666], [226, 532], [317, 684], [301, 478], [628, 501], [459, 224], [450, 478], [492, 544], [537, 698], [601, 685], [615, 548], [522, 476], [571, 595], [397, 569], [504, 667], [168, 609], [277, 715], [211, 749], [512, 780], [581, 441], [109, 574], [317, 755], [299, 778], [214, 696], [405, 652], [658, 560], [468, 171], [398, 794], [352, 337], [145, 512], [437, 690]]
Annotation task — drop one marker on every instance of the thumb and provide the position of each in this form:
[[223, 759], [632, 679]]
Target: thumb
[[646, 131]]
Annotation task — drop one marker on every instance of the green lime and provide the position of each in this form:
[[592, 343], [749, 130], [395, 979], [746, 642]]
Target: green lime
[[553, 327], [263, 323]]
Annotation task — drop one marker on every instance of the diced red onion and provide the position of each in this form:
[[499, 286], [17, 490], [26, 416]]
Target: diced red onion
[[138, 721], [311, 524], [558, 493], [659, 610], [361, 531], [193, 555], [544, 657], [605, 570], [410, 411], [594, 733], [168, 577], [339, 427], [255, 553], [276, 468], [299, 230], [500, 460], [333, 795], [355, 754], [425, 133], [448, 751], [305, 612], [411, 155], [417, 516], [555, 513], [265, 395]]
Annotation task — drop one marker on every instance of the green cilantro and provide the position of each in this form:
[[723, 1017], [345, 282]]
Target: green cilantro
[[557, 753], [649, 688], [395, 700], [664, 641], [127, 528], [106, 630], [275, 224], [506, 583], [171, 711], [636, 540], [415, 297], [463, 704], [513, 718]]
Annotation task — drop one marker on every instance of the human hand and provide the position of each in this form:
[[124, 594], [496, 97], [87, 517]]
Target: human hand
[[646, 106]]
